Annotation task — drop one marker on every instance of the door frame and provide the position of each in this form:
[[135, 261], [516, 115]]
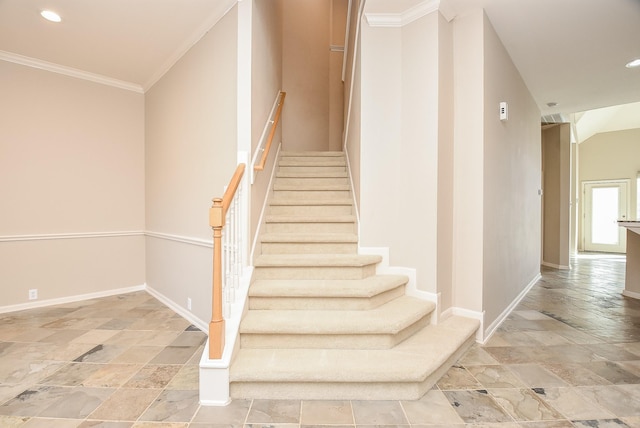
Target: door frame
[[584, 184]]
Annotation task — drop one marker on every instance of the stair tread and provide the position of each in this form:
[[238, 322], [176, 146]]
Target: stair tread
[[309, 237], [310, 219], [302, 174], [390, 318], [328, 201], [324, 260], [311, 162], [413, 360], [286, 153], [311, 187], [366, 287]]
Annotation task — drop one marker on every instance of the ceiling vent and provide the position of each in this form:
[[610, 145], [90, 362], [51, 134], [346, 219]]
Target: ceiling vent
[[555, 118]]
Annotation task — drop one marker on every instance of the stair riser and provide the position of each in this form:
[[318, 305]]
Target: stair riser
[[309, 272], [309, 248], [298, 181], [311, 194], [324, 303], [310, 227], [310, 210], [301, 169]]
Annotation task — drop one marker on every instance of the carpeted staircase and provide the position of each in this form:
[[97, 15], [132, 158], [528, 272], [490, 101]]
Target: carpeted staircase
[[321, 324]]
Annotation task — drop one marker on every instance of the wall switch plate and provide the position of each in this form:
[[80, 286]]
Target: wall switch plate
[[33, 294]]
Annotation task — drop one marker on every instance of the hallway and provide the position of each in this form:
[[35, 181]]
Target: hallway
[[568, 356]]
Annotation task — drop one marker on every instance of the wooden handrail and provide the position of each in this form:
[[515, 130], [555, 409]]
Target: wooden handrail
[[217, 214], [272, 133]]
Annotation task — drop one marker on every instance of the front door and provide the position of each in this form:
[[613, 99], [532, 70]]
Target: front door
[[605, 202]]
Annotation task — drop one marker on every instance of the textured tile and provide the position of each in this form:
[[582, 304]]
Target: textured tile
[[524, 405], [571, 404], [235, 414], [153, 376], [432, 409], [457, 377], [50, 423], [495, 376], [187, 378], [274, 411], [326, 413], [576, 374], [172, 406], [378, 413], [78, 403], [618, 400], [125, 404], [536, 376], [602, 423], [476, 407]]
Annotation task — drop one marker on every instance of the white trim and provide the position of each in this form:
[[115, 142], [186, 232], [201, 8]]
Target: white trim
[[554, 266], [353, 194], [356, 47], [69, 71], [184, 313], [70, 299], [196, 36], [81, 235], [401, 19], [631, 294], [183, 239], [496, 323]]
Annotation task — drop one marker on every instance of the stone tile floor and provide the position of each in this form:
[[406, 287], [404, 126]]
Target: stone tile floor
[[568, 356]]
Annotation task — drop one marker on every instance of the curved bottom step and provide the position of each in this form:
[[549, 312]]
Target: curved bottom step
[[405, 372]]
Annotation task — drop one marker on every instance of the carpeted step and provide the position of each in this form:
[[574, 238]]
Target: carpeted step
[[315, 266], [310, 224], [405, 372], [288, 153], [379, 328], [313, 207], [309, 243], [355, 294]]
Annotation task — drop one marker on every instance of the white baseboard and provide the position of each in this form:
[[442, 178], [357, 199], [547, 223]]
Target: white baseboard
[[554, 266], [70, 299], [496, 323], [189, 316], [631, 294]]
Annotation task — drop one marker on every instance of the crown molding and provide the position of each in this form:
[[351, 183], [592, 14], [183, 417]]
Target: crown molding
[[69, 71], [403, 18]]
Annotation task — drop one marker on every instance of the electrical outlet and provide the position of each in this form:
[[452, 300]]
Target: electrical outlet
[[33, 294], [189, 303]]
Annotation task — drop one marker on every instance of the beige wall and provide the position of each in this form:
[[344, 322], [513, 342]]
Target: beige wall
[[512, 174], [352, 99], [468, 152], [445, 229], [266, 85], [71, 162], [611, 156], [309, 75], [190, 117], [556, 167], [338, 25]]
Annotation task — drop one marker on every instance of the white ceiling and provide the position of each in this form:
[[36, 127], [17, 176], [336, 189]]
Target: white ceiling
[[571, 52]]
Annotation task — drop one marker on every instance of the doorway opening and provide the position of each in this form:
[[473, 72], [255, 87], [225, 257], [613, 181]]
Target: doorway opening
[[604, 203]]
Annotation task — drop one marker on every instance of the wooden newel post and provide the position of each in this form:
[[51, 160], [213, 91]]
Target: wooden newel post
[[216, 326]]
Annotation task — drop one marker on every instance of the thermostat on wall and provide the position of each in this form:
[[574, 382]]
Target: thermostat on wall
[[504, 111]]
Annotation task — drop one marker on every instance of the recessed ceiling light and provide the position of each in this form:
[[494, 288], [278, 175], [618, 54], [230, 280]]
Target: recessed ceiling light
[[552, 104], [633, 64], [50, 16]]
